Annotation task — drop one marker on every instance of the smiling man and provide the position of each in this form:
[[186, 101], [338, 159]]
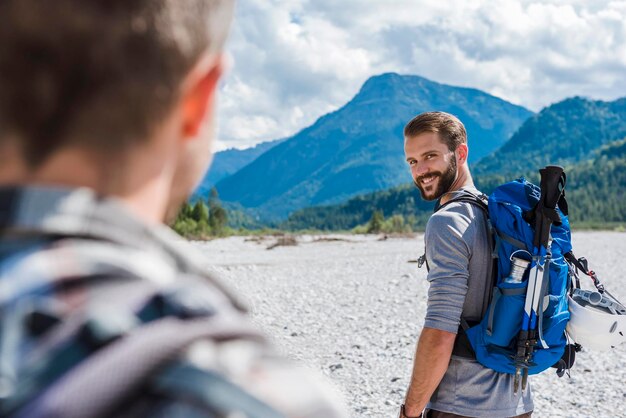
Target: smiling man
[[447, 381]]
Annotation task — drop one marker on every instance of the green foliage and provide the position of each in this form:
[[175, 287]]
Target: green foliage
[[217, 220], [375, 224], [397, 224], [596, 188], [200, 212], [202, 220], [185, 226]]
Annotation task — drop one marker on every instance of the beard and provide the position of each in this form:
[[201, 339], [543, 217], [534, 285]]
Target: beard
[[444, 182]]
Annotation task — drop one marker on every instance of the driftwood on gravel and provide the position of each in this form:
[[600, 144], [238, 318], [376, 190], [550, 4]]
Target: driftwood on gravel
[[332, 239], [283, 241], [257, 239]]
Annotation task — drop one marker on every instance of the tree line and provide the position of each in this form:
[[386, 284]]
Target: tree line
[[595, 191], [202, 219]]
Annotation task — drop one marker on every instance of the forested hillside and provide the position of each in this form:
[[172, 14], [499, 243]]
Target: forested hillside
[[596, 190], [564, 133]]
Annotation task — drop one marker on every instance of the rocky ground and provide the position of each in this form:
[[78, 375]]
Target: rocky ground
[[353, 307]]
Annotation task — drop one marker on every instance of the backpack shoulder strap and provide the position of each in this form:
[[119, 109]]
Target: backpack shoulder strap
[[481, 201], [462, 346], [467, 197]]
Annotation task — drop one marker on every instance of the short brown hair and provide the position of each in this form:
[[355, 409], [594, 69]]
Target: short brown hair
[[98, 73], [449, 127]]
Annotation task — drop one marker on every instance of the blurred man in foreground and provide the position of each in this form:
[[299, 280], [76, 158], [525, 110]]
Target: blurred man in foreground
[[106, 111]]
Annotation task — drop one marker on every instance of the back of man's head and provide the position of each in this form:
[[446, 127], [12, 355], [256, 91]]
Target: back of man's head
[[98, 74]]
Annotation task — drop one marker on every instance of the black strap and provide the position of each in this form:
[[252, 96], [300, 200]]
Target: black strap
[[467, 197], [514, 242], [462, 346], [581, 264], [481, 202]]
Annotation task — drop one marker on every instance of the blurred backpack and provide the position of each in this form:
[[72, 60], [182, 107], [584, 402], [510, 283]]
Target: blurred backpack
[[130, 365]]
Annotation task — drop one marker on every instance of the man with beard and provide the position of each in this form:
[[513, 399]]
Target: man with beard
[[106, 115], [446, 380]]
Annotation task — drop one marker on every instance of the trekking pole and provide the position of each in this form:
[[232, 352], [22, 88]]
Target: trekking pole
[[543, 215]]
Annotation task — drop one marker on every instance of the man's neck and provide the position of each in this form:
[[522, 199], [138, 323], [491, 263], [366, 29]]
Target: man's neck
[[463, 180], [143, 194]]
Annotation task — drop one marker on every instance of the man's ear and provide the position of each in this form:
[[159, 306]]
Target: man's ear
[[461, 153], [198, 98]]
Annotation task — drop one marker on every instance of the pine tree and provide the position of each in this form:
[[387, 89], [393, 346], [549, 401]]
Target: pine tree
[[218, 217], [200, 212], [376, 222]]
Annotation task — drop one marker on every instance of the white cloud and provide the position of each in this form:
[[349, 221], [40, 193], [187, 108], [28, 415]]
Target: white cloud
[[294, 61]]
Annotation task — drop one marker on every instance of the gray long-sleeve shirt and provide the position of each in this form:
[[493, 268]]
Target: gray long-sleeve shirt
[[458, 254]]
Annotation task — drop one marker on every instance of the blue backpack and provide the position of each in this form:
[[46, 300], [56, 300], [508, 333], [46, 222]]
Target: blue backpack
[[495, 341]]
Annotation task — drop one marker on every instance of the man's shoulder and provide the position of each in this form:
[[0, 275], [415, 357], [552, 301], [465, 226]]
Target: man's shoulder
[[464, 205], [455, 213], [464, 220]]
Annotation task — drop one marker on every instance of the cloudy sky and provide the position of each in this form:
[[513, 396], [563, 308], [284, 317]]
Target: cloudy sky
[[295, 60]]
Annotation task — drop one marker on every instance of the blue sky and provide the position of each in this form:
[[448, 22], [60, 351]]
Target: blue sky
[[293, 61]]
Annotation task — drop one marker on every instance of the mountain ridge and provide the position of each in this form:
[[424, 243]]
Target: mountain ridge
[[561, 133], [359, 147], [594, 190]]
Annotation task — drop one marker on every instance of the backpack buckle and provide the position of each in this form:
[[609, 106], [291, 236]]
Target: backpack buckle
[[421, 261]]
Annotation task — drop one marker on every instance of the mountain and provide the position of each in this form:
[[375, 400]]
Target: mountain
[[595, 192], [228, 162], [564, 133], [359, 148]]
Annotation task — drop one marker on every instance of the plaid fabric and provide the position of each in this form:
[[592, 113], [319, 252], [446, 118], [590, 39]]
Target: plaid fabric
[[67, 255]]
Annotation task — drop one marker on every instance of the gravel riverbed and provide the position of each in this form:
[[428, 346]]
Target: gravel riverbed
[[353, 307]]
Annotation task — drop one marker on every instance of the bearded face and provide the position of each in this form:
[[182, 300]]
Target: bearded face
[[434, 184]]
